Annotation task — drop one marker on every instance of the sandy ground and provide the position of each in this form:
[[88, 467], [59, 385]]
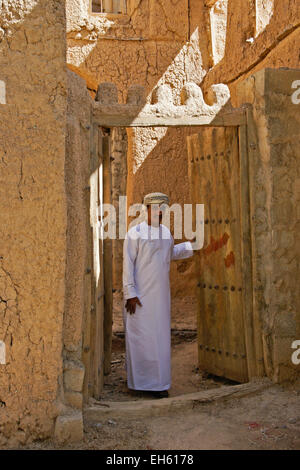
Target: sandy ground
[[267, 420], [186, 377]]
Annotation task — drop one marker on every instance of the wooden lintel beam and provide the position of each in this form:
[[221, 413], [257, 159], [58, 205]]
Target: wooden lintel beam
[[236, 118]]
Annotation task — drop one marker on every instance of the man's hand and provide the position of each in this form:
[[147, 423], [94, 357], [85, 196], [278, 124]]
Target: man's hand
[[131, 304]]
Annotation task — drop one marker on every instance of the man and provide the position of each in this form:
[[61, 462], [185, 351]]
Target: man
[[148, 250]]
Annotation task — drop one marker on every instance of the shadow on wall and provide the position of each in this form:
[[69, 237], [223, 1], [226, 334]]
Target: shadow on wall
[[193, 55], [253, 41], [150, 56]]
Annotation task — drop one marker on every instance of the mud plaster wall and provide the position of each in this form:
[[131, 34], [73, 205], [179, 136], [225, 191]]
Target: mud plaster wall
[[33, 216], [275, 196], [248, 50], [173, 42], [77, 175]]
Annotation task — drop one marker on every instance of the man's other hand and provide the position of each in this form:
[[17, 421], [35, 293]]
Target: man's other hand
[[131, 304]]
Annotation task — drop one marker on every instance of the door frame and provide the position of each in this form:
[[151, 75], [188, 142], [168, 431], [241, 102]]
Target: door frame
[[241, 118]]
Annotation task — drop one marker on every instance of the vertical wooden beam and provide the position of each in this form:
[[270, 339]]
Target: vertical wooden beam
[[86, 347], [86, 333], [252, 147], [246, 253], [96, 335], [117, 7], [100, 287], [107, 260], [108, 6]]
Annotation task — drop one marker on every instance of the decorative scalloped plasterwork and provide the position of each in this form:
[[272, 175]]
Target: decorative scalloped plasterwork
[[161, 110]]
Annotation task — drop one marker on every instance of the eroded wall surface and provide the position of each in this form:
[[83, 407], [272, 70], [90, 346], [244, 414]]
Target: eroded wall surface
[[257, 38], [78, 283], [33, 216], [275, 217]]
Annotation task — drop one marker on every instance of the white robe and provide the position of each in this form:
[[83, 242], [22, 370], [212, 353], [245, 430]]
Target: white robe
[[146, 265]]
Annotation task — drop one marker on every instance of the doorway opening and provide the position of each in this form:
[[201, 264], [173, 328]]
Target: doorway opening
[[219, 347], [208, 350]]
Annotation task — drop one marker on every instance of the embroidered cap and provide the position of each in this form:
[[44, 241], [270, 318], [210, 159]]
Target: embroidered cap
[[156, 198]]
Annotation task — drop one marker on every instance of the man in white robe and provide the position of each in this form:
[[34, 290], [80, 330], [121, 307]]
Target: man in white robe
[[148, 251]]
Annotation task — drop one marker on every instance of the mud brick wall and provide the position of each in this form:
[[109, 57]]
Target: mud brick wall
[[77, 177], [33, 216], [274, 190]]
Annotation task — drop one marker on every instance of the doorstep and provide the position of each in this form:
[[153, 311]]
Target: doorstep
[[165, 406]]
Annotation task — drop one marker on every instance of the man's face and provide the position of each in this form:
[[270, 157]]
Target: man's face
[[154, 214]]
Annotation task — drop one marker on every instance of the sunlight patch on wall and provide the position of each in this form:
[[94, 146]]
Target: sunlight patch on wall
[[2, 353], [144, 143], [218, 27], [187, 66], [264, 13], [76, 55], [2, 92]]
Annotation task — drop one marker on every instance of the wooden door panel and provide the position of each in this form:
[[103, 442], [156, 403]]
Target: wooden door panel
[[214, 176], [92, 351]]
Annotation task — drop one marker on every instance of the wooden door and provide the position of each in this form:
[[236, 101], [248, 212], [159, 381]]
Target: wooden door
[[93, 337], [107, 256], [214, 172]]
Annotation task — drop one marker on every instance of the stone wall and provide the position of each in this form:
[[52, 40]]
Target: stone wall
[[33, 212], [275, 216]]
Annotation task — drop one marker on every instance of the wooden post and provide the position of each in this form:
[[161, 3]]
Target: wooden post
[[108, 6], [96, 334], [107, 259], [86, 327], [246, 253], [100, 285], [253, 149], [86, 346]]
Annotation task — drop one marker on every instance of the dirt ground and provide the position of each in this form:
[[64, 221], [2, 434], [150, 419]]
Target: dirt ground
[[186, 377], [268, 420]]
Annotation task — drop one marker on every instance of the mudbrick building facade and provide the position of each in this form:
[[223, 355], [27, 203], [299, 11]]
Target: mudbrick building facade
[[55, 275]]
